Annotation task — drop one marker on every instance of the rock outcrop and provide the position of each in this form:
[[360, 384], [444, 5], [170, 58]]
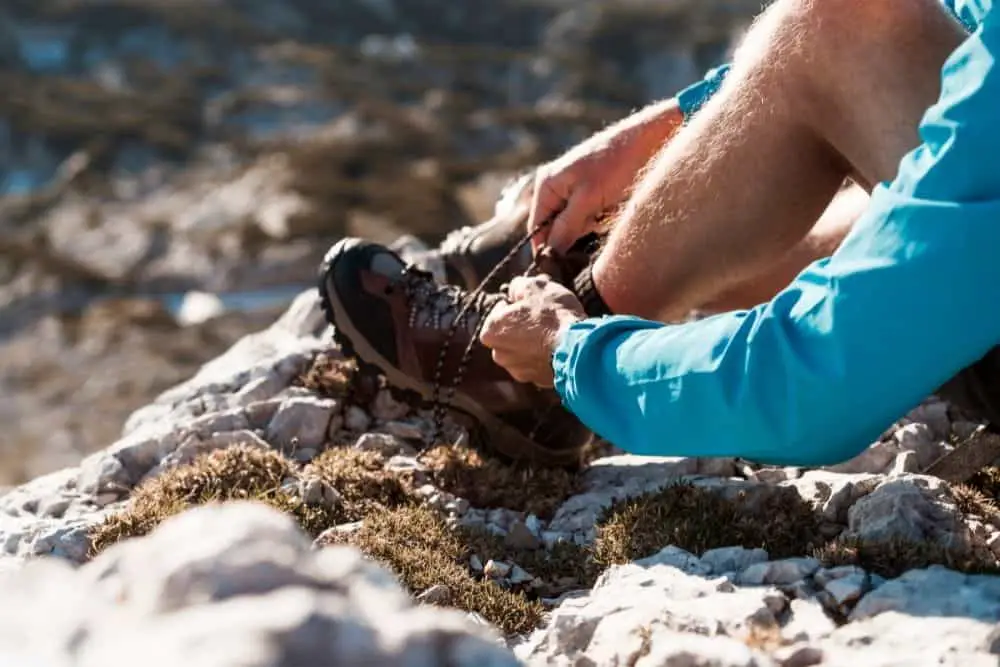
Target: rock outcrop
[[633, 561], [275, 507]]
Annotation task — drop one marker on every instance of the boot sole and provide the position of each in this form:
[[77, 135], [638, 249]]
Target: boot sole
[[505, 439]]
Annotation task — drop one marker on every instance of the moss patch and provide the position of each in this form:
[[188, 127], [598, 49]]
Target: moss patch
[[987, 481], [425, 550], [566, 566], [249, 473], [972, 501], [489, 483], [329, 375], [361, 481], [698, 519], [417, 545], [891, 558], [237, 473]]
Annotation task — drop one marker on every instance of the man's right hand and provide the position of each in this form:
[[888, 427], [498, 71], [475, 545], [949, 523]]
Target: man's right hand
[[577, 190]]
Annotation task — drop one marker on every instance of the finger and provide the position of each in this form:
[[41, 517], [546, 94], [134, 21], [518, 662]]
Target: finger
[[513, 366], [507, 361], [522, 287], [496, 326], [570, 224], [546, 203]]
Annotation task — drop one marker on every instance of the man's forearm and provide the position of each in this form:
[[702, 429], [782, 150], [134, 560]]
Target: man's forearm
[[652, 126], [812, 376]]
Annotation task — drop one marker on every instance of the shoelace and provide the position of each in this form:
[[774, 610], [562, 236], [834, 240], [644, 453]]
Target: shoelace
[[433, 305], [476, 301]]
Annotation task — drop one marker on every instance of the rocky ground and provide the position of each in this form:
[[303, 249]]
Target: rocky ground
[[280, 509], [162, 161], [152, 148]]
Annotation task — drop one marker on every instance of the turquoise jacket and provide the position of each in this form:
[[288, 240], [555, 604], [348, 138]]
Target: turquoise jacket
[[817, 373]]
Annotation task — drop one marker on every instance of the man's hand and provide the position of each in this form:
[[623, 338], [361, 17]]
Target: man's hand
[[578, 189], [523, 333]]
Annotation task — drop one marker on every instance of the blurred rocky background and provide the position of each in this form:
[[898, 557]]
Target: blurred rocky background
[[172, 171]]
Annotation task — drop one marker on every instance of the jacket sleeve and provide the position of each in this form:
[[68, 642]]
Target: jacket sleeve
[[814, 375], [969, 12], [694, 97]]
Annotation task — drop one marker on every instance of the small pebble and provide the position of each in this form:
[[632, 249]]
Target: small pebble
[[439, 594], [519, 536], [497, 569], [520, 576], [475, 564], [404, 430], [356, 419]]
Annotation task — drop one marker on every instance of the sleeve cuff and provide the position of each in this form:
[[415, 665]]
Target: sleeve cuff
[[570, 346], [562, 358], [693, 98]]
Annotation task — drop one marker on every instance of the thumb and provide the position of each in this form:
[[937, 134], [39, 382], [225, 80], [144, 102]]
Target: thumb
[[569, 225]]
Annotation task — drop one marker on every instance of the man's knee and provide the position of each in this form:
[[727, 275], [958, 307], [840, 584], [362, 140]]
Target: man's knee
[[826, 33]]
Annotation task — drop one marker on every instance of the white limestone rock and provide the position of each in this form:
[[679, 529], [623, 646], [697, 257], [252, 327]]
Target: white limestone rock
[[894, 638], [679, 558], [935, 592], [778, 572], [246, 589], [911, 507], [385, 444], [633, 608], [302, 423], [732, 559]]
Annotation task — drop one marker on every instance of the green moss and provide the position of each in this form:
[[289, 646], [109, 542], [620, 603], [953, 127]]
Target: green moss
[[236, 473], [329, 375], [972, 501], [489, 483], [697, 520], [248, 473], [362, 481], [891, 558], [417, 544]]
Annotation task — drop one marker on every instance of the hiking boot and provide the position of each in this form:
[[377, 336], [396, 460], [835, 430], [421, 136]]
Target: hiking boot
[[399, 319], [467, 256]]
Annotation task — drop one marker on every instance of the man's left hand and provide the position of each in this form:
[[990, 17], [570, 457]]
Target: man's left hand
[[523, 333]]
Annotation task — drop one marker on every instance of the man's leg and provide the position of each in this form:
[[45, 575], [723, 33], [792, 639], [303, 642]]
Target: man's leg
[[820, 89], [824, 237]]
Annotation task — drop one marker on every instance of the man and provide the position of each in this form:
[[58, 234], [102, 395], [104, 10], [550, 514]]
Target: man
[[896, 96]]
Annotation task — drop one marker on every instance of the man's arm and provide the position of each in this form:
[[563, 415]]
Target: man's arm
[[968, 12], [814, 375]]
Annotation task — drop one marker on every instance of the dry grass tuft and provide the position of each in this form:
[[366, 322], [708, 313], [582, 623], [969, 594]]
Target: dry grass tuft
[[972, 501], [416, 544], [891, 558], [697, 520], [236, 473], [329, 375], [248, 473], [565, 566], [489, 483], [361, 480], [987, 481]]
